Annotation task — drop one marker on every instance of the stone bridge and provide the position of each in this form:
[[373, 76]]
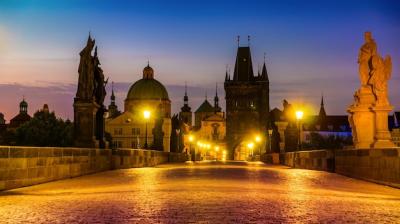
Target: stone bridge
[[186, 192]]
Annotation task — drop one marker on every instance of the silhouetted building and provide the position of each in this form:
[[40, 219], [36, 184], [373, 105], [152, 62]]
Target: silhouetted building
[[247, 103], [22, 117]]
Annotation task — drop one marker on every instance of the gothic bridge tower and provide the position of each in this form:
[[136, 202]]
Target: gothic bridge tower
[[247, 102]]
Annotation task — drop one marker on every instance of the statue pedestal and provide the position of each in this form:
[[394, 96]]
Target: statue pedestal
[[383, 138], [85, 123], [362, 118]]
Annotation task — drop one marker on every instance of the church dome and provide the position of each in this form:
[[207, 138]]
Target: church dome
[[147, 88]]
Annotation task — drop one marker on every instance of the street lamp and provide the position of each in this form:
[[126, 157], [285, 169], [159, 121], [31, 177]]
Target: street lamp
[[299, 116], [146, 115], [216, 148], [191, 139], [250, 145], [258, 140], [270, 140]]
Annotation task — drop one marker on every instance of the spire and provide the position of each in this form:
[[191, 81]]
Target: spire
[[186, 107], [216, 99], [322, 112], [264, 73], [112, 93], [226, 74], [185, 98]]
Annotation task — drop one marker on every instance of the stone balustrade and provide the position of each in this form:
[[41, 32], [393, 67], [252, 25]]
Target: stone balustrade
[[25, 166], [376, 165]]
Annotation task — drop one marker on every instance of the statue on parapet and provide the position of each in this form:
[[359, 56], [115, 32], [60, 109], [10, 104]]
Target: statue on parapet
[[380, 75], [367, 51], [86, 70], [100, 83], [368, 115]]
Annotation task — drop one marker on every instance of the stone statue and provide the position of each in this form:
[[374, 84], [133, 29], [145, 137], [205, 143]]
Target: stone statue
[[85, 70], [368, 115], [380, 74], [367, 50], [89, 109], [99, 84]]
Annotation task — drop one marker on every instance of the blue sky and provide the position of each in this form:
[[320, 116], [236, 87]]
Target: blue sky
[[311, 47]]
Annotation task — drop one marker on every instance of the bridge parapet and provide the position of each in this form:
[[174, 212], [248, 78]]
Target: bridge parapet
[[375, 165], [25, 166]]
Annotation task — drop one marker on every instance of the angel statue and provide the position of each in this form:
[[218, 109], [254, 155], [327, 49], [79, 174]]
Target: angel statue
[[380, 74]]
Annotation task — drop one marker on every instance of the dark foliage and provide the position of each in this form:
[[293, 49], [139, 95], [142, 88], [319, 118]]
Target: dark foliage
[[45, 129], [331, 142]]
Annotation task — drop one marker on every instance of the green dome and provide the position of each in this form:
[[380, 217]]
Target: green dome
[[147, 89]]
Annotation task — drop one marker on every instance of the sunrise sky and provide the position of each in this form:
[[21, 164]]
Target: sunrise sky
[[311, 47]]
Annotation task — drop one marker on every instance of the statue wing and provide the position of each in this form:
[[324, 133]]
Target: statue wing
[[388, 67]]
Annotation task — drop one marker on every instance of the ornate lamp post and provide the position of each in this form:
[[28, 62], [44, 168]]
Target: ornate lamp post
[[299, 116], [146, 115], [250, 146], [193, 154], [258, 141], [270, 140]]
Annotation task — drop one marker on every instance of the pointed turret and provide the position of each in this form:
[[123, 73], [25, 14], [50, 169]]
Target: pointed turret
[[264, 73], [217, 108], [322, 113], [113, 108], [186, 107], [112, 93]]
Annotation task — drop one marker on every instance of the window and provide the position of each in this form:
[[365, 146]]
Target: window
[[117, 144], [117, 131], [135, 131]]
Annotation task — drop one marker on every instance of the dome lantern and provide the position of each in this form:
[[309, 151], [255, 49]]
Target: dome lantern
[[148, 72]]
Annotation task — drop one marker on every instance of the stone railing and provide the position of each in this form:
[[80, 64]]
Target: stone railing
[[130, 158], [313, 160], [375, 165], [25, 166]]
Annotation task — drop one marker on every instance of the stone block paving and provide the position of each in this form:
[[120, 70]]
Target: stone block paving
[[204, 193]]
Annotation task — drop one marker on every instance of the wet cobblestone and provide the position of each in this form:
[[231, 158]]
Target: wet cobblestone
[[204, 193]]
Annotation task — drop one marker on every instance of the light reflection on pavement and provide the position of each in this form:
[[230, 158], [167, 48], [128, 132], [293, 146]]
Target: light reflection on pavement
[[204, 193]]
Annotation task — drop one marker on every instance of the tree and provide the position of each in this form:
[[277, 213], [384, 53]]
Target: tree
[[45, 129]]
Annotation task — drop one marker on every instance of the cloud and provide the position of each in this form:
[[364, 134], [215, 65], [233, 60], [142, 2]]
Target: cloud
[[60, 96]]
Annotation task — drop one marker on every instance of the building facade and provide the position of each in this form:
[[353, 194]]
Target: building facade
[[247, 103], [146, 117]]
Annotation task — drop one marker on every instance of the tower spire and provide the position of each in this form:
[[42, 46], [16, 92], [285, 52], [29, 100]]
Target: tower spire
[[185, 98], [112, 93], [264, 73], [322, 112], [216, 99], [185, 107]]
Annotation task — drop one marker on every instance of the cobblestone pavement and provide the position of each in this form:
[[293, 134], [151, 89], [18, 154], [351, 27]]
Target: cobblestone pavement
[[204, 193]]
